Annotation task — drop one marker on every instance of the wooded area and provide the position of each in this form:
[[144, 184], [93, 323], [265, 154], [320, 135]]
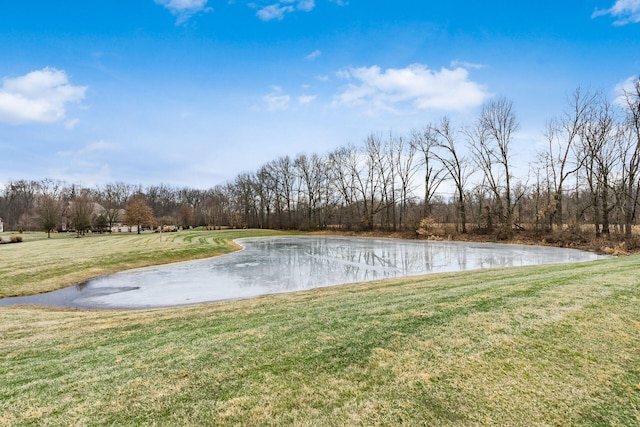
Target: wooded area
[[463, 176]]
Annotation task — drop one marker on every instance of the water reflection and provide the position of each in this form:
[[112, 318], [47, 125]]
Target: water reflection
[[285, 264]]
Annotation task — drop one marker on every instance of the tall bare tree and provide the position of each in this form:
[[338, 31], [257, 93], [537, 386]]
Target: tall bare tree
[[601, 155], [426, 141], [80, 211], [631, 154], [113, 198], [49, 213], [563, 138], [483, 155], [498, 122], [406, 168], [373, 185], [347, 184], [457, 167]]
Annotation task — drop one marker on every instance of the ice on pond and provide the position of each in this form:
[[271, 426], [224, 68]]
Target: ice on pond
[[285, 264]]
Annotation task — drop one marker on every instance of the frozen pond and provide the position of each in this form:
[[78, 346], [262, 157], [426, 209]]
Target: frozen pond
[[284, 264]]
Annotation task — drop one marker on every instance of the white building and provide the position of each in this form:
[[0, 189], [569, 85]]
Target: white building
[[1, 226]]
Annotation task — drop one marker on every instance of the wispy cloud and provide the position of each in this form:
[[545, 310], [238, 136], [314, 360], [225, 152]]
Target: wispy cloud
[[91, 148], [416, 85], [306, 5], [70, 124], [40, 96], [277, 100], [625, 12], [306, 99], [185, 9], [313, 55], [467, 65], [281, 8], [87, 164], [623, 88]]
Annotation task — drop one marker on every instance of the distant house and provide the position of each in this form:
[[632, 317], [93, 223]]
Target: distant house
[[66, 223], [96, 210]]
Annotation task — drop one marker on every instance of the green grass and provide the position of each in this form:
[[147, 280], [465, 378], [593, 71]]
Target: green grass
[[546, 345]]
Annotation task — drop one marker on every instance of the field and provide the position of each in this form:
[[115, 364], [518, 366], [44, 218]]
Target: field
[[546, 345]]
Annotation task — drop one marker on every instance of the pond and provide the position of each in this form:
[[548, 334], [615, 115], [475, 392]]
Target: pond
[[285, 264]]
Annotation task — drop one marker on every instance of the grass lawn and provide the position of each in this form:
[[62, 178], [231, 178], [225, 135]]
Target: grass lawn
[[546, 345]]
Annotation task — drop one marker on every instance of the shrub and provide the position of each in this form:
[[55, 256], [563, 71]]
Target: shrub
[[20, 230], [16, 239], [426, 226]]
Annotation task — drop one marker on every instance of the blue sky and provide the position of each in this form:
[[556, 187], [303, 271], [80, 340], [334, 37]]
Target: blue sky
[[193, 92]]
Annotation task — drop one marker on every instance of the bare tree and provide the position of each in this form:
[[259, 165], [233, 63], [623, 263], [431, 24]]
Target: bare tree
[[631, 154], [18, 201], [49, 213], [191, 198], [214, 207], [284, 176], [406, 168], [373, 185], [426, 141], [265, 187], [457, 168], [600, 156], [80, 210], [563, 138], [162, 199], [311, 181], [113, 198], [346, 180], [483, 155], [245, 204], [498, 123]]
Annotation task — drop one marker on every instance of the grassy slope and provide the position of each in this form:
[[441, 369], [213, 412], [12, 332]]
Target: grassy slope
[[551, 345]]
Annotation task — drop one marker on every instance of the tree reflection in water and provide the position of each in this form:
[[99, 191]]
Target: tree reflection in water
[[285, 264]]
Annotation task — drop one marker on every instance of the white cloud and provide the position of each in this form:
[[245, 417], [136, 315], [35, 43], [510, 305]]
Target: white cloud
[[306, 99], [625, 12], [277, 100], [467, 65], [40, 96], [313, 55], [70, 124], [185, 9], [626, 86], [90, 148], [98, 146], [424, 89], [306, 5], [280, 9], [274, 11]]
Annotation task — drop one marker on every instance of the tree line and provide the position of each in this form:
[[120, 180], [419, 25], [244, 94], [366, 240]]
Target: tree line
[[587, 173]]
